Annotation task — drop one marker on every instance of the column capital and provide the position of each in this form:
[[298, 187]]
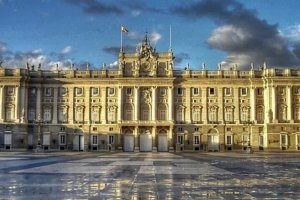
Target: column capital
[[289, 86]]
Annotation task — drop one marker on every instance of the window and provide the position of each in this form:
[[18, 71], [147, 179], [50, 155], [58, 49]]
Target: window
[[9, 91], [47, 115], [284, 141], [227, 91], [79, 91], [145, 112], [179, 91], [282, 114], [95, 91], [196, 129], [180, 129], [196, 116], [111, 139], [259, 91], [296, 90], [48, 91], [111, 91], [211, 91], [62, 139], [196, 91], [62, 91], [95, 139], [95, 115], [162, 115], [95, 128], [179, 115], [162, 91], [79, 115], [128, 114], [229, 115], [229, 140], [261, 140], [179, 139], [245, 115], [31, 114], [128, 91], [9, 114], [244, 91], [63, 114], [260, 114], [245, 140], [111, 129], [212, 115], [196, 139], [297, 113], [32, 91], [281, 90]]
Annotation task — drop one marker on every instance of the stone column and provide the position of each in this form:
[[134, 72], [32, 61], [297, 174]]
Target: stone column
[[188, 105], [71, 105], [55, 96], [17, 104], [120, 89], [154, 145], [252, 104], [236, 104], [87, 91], [154, 103], [204, 104], [22, 104], [38, 102], [267, 105], [136, 139], [221, 106], [103, 105], [274, 106], [289, 102], [2, 103], [171, 103], [136, 103]]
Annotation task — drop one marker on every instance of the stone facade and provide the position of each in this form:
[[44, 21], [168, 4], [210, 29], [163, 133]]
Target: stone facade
[[146, 105]]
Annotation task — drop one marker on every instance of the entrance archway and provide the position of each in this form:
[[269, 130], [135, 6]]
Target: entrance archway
[[213, 140]]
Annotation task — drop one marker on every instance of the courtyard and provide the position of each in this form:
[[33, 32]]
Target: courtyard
[[105, 175]]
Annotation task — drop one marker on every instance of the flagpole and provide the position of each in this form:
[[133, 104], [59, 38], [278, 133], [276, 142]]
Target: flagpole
[[170, 47]]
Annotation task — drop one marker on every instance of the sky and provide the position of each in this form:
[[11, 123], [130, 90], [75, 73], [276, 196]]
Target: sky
[[78, 32]]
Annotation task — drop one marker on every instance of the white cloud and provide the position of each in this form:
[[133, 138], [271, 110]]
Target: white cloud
[[66, 50], [113, 65], [135, 13], [155, 37]]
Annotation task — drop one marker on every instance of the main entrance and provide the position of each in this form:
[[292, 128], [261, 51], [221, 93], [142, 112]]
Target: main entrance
[[78, 143], [145, 142], [128, 142], [162, 142], [213, 140]]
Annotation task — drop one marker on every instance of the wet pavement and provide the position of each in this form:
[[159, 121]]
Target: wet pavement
[[73, 175]]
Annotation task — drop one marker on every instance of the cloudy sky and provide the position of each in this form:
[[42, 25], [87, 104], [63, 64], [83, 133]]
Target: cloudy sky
[[210, 31]]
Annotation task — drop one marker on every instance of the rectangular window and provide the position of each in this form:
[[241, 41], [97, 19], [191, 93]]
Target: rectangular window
[[196, 139], [259, 91], [284, 140], [180, 129], [244, 91], [111, 139], [196, 91], [229, 140], [179, 91], [162, 91], [95, 91], [111, 91], [79, 91], [227, 91], [62, 91], [245, 140], [95, 139], [261, 140], [128, 91], [9, 91], [179, 139], [48, 91], [62, 139], [211, 91]]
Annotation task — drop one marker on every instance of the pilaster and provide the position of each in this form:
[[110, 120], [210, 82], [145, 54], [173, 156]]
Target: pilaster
[[252, 104], [2, 103], [236, 104], [274, 106], [204, 104], [171, 103], [55, 96], [38, 101], [120, 93], [289, 102], [154, 103], [221, 105], [136, 103], [71, 105], [17, 104], [103, 105], [87, 91], [188, 105]]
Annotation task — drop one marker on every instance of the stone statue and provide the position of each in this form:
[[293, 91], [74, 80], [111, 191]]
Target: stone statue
[[39, 67], [252, 66], [203, 66], [219, 66]]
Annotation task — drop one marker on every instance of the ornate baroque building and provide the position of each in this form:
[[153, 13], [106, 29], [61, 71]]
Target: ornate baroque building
[[146, 105]]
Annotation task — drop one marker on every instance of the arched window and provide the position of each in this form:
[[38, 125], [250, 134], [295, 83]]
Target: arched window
[[162, 112], [282, 115], [145, 112], [128, 112], [196, 114], [111, 117], [180, 114], [260, 114], [95, 115], [63, 114], [79, 114], [47, 114], [212, 115]]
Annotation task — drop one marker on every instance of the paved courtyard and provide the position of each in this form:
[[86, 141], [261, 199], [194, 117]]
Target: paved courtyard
[[74, 175]]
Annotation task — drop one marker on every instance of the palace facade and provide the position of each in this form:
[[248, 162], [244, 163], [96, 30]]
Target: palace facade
[[146, 105]]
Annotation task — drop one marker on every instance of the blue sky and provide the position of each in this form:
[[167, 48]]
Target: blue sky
[[211, 31]]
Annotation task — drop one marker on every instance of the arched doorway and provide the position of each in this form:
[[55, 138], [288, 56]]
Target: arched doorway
[[145, 141], [128, 140], [162, 140], [213, 140]]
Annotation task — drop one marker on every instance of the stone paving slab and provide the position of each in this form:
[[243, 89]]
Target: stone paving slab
[[149, 176]]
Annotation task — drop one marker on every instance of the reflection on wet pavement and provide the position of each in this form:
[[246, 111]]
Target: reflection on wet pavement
[[149, 176]]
